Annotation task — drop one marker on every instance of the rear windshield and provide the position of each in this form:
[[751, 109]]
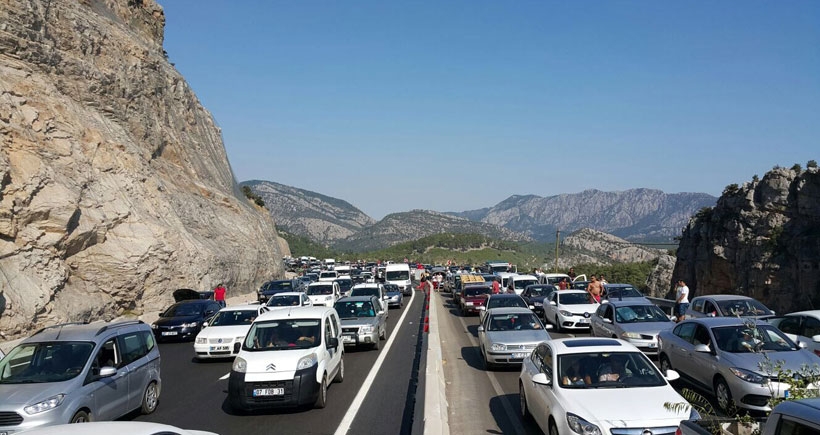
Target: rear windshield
[[475, 291], [320, 290], [354, 309], [366, 291]]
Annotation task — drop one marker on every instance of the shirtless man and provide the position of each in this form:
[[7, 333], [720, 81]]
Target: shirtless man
[[594, 289]]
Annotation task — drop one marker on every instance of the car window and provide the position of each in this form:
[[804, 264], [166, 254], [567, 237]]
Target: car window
[[108, 356], [709, 307], [328, 332], [546, 365], [573, 298], [787, 426], [811, 327], [538, 356], [685, 331], [284, 300], [790, 325], [354, 309], [334, 324], [745, 339], [601, 311], [697, 305], [320, 290], [640, 314], [44, 362], [135, 345], [743, 307], [701, 336]]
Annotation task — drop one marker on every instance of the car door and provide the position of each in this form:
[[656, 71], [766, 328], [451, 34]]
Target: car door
[[110, 394], [701, 366], [598, 326], [381, 314], [680, 346], [542, 395], [135, 347], [550, 306], [333, 329]]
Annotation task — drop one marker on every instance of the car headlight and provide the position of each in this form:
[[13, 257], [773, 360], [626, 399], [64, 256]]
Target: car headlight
[[632, 335], [565, 313], [307, 361], [366, 329], [239, 339], [748, 376], [239, 365], [498, 346], [201, 340], [581, 426], [190, 325], [50, 403]]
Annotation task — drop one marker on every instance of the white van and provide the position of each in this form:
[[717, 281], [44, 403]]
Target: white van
[[288, 359], [520, 282], [505, 279], [399, 274], [324, 293]]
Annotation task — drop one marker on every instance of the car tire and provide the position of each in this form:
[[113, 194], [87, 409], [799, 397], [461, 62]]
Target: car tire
[[557, 324], [340, 375], [553, 428], [150, 398], [81, 416], [522, 396], [487, 364], [321, 400], [723, 395], [377, 344], [664, 364], [383, 335]]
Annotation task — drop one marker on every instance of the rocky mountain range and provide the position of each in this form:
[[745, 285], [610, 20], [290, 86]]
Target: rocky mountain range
[[634, 215], [762, 239], [115, 188]]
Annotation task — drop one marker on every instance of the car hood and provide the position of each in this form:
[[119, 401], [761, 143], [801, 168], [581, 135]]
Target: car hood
[[360, 321], [579, 308], [647, 328], [224, 331], [791, 360], [29, 394], [284, 360], [518, 337], [619, 408], [173, 321]]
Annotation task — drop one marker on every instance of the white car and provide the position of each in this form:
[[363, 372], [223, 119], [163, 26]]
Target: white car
[[289, 300], [591, 385], [324, 293], [222, 335], [288, 359], [519, 282], [117, 427], [569, 309], [802, 327]]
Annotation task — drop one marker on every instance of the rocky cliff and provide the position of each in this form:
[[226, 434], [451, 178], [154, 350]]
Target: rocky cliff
[[762, 239], [115, 188]]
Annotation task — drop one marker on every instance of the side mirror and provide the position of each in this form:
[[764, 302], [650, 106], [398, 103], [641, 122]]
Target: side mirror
[[332, 343], [801, 344], [107, 372], [532, 307], [541, 379], [381, 312], [204, 324], [553, 303], [702, 348], [606, 320], [672, 375], [480, 328]]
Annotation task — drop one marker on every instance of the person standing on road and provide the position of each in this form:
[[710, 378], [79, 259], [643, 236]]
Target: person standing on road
[[594, 289], [571, 273], [496, 286], [563, 284], [219, 294], [681, 300]]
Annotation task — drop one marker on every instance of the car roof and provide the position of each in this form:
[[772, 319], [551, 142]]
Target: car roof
[[320, 283], [619, 286], [571, 291], [629, 302], [812, 313], [723, 297], [355, 298], [591, 344], [525, 277], [368, 285], [725, 321], [296, 312], [287, 294], [77, 331], [805, 409], [504, 296]]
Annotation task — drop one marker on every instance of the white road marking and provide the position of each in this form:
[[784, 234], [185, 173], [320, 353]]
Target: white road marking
[[356, 404], [225, 377], [505, 403]]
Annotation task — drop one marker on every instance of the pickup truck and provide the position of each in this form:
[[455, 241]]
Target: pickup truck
[[787, 418]]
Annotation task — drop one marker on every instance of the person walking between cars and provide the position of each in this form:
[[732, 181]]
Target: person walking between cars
[[219, 294], [681, 300], [496, 286], [594, 289]]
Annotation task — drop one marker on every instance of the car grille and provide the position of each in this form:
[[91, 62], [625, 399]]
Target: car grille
[[647, 337], [10, 419], [668, 430], [350, 330], [521, 346], [220, 340], [287, 385]]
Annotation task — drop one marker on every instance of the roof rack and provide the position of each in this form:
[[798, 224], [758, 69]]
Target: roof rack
[[117, 325], [60, 326]]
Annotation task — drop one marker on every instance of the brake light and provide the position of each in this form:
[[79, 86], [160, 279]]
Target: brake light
[[817, 352]]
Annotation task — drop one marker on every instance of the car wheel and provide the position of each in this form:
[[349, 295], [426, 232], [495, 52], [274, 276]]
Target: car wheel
[[525, 412], [321, 401], [377, 344], [665, 364], [487, 364], [150, 398], [724, 396], [557, 324], [383, 335], [553, 428], [340, 375], [81, 417]]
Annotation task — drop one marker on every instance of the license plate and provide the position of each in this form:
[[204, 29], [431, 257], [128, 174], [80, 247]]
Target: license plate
[[164, 333], [348, 339], [584, 321], [218, 348], [652, 345], [268, 392], [520, 355]]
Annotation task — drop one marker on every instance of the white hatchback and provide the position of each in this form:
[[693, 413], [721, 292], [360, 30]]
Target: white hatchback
[[288, 359], [222, 335], [590, 386], [569, 309]]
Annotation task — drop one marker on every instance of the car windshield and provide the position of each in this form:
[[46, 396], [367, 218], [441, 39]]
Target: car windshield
[[555, 279], [743, 308], [573, 298], [327, 275], [284, 334], [280, 286], [521, 284], [397, 275], [639, 314], [623, 292], [495, 302], [752, 338], [514, 322], [540, 291], [607, 370], [354, 309], [181, 310], [320, 290], [476, 291], [365, 291], [285, 301], [344, 284], [233, 317], [36, 363]]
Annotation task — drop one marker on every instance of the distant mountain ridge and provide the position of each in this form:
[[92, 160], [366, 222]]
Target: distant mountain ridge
[[634, 215]]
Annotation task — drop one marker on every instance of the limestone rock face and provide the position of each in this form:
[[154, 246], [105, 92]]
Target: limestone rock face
[[762, 239], [115, 188]]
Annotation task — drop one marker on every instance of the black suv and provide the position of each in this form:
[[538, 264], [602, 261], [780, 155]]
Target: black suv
[[271, 288]]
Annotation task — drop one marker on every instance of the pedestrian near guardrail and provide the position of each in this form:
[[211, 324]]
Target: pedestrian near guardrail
[[681, 300]]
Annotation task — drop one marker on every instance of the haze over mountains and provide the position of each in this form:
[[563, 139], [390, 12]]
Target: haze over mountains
[[635, 215]]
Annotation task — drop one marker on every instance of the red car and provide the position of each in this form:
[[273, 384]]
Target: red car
[[473, 297]]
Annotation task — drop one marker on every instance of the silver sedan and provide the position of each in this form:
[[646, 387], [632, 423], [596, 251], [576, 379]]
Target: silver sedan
[[508, 335], [635, 320]]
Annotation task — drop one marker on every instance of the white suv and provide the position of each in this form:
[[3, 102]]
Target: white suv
[[288, 359]]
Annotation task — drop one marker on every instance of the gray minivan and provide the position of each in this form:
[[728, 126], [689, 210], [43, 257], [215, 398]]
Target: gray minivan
[[74, 373]]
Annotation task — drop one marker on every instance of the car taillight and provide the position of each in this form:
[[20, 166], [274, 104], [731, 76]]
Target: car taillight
[[817, 352]]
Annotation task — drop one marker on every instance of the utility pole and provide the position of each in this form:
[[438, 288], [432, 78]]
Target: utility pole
[[557, 241]]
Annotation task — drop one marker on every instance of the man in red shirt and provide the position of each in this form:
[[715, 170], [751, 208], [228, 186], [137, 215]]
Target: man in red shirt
[[219, 294], [496, 286]]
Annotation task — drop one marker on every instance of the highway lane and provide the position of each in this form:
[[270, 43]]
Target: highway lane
[[194, 393]]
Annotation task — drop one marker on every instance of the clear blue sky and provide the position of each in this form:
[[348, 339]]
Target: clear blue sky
[[456, 105]]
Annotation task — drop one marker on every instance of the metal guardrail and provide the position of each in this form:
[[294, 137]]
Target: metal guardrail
[[668, 304]]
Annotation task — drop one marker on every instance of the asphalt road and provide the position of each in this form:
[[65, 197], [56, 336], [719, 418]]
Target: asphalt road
[[194, 393]]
